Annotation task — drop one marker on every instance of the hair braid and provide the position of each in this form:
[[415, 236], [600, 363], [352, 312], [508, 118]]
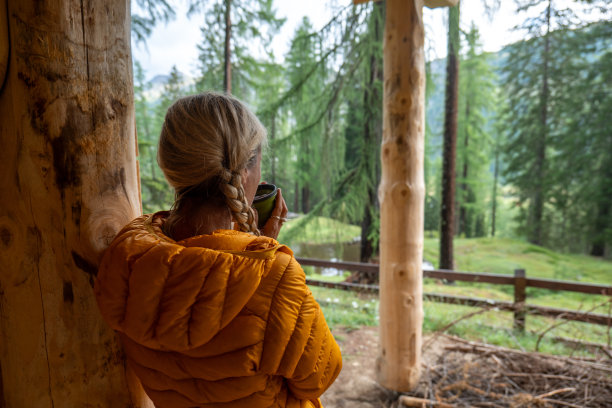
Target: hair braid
[[205, 142], [234, 196]]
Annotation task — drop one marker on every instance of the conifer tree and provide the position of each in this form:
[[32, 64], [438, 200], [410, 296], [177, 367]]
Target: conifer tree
[[146, 14], [538, 79], [157, 194], [236, 39], [447, 209], [476, 105], [581, 173], [303, 104]]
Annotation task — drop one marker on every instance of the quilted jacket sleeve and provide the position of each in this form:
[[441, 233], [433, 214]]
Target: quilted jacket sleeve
[[298, 343]]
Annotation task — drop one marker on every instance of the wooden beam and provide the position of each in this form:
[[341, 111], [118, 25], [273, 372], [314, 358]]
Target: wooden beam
[[4, 42], [68, 184], [401, 195], [440, 3], [428, 3]]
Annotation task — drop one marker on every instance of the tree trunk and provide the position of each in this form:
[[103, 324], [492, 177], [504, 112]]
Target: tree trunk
[[447, 210], [464, 175], [603, 220], [402, 193], [69, 183], [366, 250], [305, 199], [537, 207], [273, 156], [494, 199], [296, 197], [227, 78]]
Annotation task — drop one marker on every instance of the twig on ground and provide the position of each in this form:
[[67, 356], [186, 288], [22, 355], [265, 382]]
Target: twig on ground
[[551, 393], [421, 402]]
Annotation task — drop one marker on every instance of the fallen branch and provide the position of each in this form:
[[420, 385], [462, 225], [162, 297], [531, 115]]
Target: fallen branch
[[421, 402]]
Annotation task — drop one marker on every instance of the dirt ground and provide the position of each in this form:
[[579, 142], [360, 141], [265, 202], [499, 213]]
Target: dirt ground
[[467, 374], [355, 387]]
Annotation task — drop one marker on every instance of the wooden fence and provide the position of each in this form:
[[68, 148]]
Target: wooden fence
[[519, 281]]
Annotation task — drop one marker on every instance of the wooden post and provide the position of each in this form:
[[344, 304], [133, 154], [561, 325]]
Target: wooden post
[[401, 195], [68, 183], [520, 283], [4, 42]]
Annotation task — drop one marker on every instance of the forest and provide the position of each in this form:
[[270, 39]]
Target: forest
[[518, 142]]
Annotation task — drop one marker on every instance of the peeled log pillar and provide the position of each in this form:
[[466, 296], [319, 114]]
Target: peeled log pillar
[[401, 196], [68, 182]]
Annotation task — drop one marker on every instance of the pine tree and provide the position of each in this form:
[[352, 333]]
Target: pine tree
[[447, 210], [301, 61], [146, 14], [231, 62], [476, 104], [538, 78], [581, 194], [156, 193]]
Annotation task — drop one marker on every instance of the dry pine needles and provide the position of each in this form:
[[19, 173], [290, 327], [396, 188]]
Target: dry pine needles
[[468, 374]]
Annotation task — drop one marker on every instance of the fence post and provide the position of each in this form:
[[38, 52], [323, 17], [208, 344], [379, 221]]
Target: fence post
[[520, 282]]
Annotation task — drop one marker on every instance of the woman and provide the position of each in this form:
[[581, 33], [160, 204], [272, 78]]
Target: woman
[[210, 315]]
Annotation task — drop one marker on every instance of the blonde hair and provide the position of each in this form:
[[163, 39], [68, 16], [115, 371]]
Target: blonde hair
[[206, 141]]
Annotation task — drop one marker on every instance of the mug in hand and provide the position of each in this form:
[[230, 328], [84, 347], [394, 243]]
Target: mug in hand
[[265, 199]]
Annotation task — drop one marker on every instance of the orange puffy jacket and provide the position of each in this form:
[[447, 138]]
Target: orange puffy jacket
[[220, 320]]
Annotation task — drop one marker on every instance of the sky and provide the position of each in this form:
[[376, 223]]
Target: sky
[[175, 43]]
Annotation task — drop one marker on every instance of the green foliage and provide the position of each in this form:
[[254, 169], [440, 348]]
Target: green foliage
[[253, 25], [322, 109], [474, 144], [320, 230], [146, 14], [504, 255], [555, 84], [155, 192]]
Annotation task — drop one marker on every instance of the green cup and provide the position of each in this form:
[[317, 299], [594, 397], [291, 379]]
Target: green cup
[[265, 199]]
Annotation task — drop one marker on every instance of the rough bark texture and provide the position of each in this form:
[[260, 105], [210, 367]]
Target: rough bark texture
[[535, 231], [464, 201], [447, 209], [4, 42], [401, 196], [227, 61], [68, 184]]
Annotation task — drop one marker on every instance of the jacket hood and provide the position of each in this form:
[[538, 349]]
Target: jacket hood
[[177, 295]]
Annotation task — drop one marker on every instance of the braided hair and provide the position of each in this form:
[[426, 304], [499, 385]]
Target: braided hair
[[206, 141]]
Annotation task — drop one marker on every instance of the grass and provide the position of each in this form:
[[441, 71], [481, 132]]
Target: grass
[[504, 255], [489, 255], [351, 310], [317, 230]]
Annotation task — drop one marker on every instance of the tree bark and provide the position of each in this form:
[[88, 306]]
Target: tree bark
[[494, 198], [273, 155], [464, 175], [227, 78], [69, 183], [447, 211], [537, 206], [603, 219], [366, 250], [401, 196]]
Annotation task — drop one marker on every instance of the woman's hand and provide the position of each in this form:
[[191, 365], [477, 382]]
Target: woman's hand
[[274, 224]]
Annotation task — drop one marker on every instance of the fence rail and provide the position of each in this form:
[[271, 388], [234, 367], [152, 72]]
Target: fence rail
[[519, 281]]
